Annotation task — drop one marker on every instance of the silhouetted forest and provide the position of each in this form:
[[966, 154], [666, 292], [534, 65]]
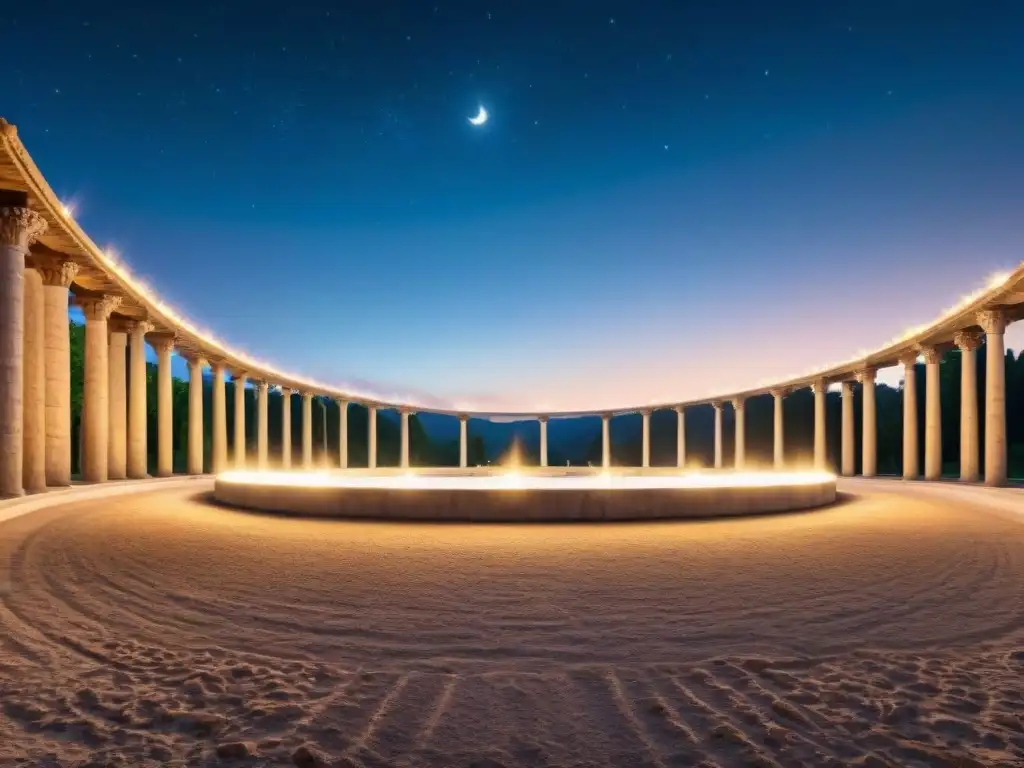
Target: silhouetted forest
[[626, 429]]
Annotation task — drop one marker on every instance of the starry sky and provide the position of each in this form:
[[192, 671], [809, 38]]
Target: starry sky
[[670, 199]]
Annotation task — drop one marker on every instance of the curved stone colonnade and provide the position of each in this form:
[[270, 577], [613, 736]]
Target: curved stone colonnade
[[45, 257]]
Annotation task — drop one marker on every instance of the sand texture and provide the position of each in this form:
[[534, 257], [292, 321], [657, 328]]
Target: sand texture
[[155, 629]]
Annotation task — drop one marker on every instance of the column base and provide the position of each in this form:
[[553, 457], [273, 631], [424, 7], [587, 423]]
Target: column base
[[12, 495]]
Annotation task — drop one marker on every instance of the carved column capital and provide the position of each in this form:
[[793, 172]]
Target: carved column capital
[[931, 355], [779, 392], [140, 327], [967, 341], [193, 359], [163, 342], [909, 359], [717, 404], [542, 419], [992, 320], [847, 389], [20, 227], [819, 385], [57, 272], [679, 408], [738, 403], [238, 375], [99, 308], [865, 375]]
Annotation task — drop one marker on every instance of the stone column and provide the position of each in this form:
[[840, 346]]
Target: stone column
[[343, 434], [463, 441], [117, 384], [307, 431], [739, 408], [19, 227], [371, 440], [164, 405], [993, 321], [910, 464], [820, 390], [968, 343], [718, 434], [262, 429], [239, 379], [34, 385], [57, 278], [138, 448], [543, 440], [779, 435], [869, 426], [606, 440], [219, 403], [286, 428], [848, 462], [932, 414], [680, 436], [195, 415], [645, 457], [404, 460], [96, 394]]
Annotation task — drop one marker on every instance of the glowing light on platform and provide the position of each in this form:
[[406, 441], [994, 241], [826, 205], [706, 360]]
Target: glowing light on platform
[[525, 481]]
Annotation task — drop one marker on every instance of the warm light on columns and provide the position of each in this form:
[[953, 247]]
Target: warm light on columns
[[645, 458], [307, 430], [262, 428], [57, 278], [404, 453], [138, 448], [820, 390], [869, 423], [910, 463], [343, 434], [968, 343], [371, 441], [34, 384], [219, 460], [164, 405], [847, 459], [994, 324], [117, 378], [18, 229], [96, 403], [195, 415], [718, 434], [739, 410], [463, 441], [286, 428], [543, 440], [778, 436], [932, 414], [606, 441], [680, 436], [239, 380]]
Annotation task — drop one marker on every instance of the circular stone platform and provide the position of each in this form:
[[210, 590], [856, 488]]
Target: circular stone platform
[[534, 495]]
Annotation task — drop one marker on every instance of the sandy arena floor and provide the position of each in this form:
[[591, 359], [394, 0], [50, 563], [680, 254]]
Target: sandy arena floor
[[153, 629]]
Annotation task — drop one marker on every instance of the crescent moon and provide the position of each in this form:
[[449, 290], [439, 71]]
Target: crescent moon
[[481, 117]]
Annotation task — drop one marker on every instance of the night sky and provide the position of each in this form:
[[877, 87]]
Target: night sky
[[670, 198]]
